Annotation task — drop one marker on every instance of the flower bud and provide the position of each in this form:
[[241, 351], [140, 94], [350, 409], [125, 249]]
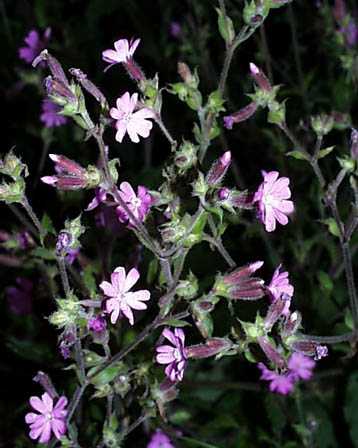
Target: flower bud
[[322, 124], [292, 324], [185, 74], [12, 166], [260, 78], [201, 310], [200, 186], [212, 347], [187, 288], [234, 199], [185, 157], [241, 115], [53, 64], [69, 313], [59, 92], [275, 311], [219, 169], [13, 192], [310, 348], [271, 353], [240, 285]]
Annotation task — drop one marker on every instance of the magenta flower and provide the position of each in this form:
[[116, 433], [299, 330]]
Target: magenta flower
[[301, 366], [97, 324], [159, 440], [50, 418], [121, 298], [34, 45], [134, 123], [282, 384], [280, 285], [139, 204], [50, 116], [123, 52], [174, 356], [272, 197], [19, 297]]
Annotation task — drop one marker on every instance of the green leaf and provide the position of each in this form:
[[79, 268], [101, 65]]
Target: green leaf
[[89, 279], [107, 375], [332, 226], [324, 152], [45, 254], [299, 155], [176, 323], [226, 27]]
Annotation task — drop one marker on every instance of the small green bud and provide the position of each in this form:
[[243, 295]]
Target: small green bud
[[277, 113], [215, 102], [13, 192], [226, 27], [200, 186], [322, 124], [12, 166], [185, 157], [188, 288]]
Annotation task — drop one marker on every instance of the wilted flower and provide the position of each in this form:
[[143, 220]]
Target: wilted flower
[[280, 285], [272, 198], [34, 45], [50, 418], [281, 383], [124, 51], [19, 297], [50, 115], [139, 204], [134, 123], [310, 348], [159, 440], [121, 298], [174, 356]]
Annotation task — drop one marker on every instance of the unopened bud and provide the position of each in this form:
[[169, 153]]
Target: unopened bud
[[354, 144], [275, 311], [219, 169], [322, 124], [292, 324], [260, 78], [271, 353], [89, 86], [212, 347], [241, 115]]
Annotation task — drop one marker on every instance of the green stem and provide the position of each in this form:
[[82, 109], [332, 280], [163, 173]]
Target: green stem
[[25, 203]]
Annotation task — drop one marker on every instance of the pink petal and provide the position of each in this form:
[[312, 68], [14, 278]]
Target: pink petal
[[61, 403], [286, 207], [270, 222], [40, 421], [124, 103], [271, 177], [48, 401], [126, 191], [35, 433], [38, 405], [143, 114], [179, 333], [108, 289], [121, 127], [127, 312], [163, 349], [132, 129], [133, 300], [115, 113], [134, 46], [46, 433], [122, 48], [58, 428], [118, 278], [31, 417], [165, 358], [170, 336], [132, 278], [111, 56], [281, 217]]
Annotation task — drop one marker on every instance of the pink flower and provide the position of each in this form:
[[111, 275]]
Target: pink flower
[[301, 366], [121, 298], [272, 197], [124, 51], [134, 123], [50, 418], [139, 204], [280, 285], [159, 440], [283, 384], [34, 45], [70, 175], [174, 356], [50, 116], [97, 324]]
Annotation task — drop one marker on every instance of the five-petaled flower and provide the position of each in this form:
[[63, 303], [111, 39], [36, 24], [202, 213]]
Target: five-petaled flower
[[50, 418], [174, 356], [139, 204], [121, 299], [34, 45], [272, 198], [281, 383], [134, 123], [123, 52]]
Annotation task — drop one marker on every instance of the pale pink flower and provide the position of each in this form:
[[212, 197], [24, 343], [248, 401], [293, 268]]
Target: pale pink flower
[[159, 440], [134, 123], [272, 198], [174, 356], [121, 298], [279, 285], [50, 418], [123, 52], [139, 204]]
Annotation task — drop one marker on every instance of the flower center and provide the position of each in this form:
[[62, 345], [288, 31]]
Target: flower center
[[136, 202], [177, 354]]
